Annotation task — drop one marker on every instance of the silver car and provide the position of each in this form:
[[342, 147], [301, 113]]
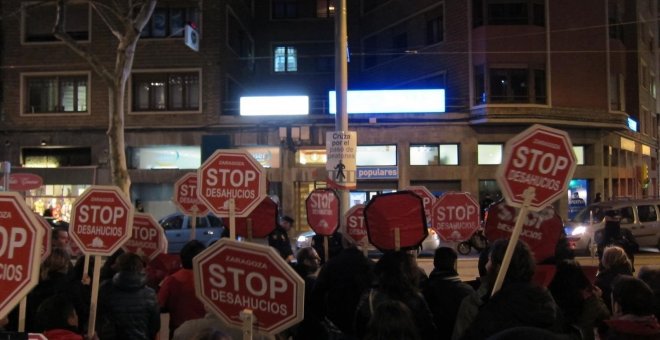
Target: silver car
[[178, 227]]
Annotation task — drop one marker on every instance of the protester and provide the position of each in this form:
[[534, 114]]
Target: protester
[[519, 302], [279, 238], [632, 313], [57, 319], [579, 300], [307, 266], [651, 276], [337, 291], [575, 204], [177, 291], [335, 245], [60, 238], [392, 319], [613, 235], [397, 280], [471, 304], [615, 262], [444, 291], [210, 323], [128, 309]]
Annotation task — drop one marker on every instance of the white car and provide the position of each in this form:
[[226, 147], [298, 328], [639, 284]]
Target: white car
[[641, 217], [429, 245]]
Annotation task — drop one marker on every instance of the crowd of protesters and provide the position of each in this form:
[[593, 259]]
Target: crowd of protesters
[[350, 296]]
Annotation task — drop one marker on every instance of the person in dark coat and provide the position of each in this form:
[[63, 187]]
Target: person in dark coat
[[279, 238], [444, 291], [633, 314], [615, 263], [613, 235], [519, 302], [397, 277], [127, 308], [335, 245], [57, 319]]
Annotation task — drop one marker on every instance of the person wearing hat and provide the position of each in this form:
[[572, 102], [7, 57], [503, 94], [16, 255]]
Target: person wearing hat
[[613, 235], [279, 238]]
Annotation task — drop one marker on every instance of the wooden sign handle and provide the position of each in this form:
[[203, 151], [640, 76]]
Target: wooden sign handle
[[528, 196], [248, 320], [397, 239], [193, 225], [326, 250], [95, 297], [249, 229], [232, 219]]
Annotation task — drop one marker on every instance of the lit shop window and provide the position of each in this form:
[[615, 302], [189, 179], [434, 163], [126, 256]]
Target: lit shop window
[[285, 59], [442, 154], [489, 154], [55, 94], [168, 91]]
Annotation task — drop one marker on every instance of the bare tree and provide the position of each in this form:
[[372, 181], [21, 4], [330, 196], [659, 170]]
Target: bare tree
[[125, 19]]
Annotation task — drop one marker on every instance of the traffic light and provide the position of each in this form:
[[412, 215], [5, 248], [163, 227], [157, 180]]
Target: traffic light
[[644, 177]]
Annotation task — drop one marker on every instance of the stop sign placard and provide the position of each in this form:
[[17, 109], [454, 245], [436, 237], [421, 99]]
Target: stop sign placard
[[232, 276], [455, 216], [354, 221], [231, 174], [387, 213], [185, 196], [101, 220], [20, 250], [323, 211], [541, 158], [263, 217], [148, 238], [428, 199]]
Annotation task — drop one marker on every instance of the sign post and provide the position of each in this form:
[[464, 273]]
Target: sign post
[[20, 252], [231, 184], [538, 164], [455, 216], [101, 222], [428, 199], [245, 282], [186, 199], [341, 148]]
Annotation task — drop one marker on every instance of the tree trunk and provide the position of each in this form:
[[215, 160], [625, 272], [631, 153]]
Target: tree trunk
[[118, 166]]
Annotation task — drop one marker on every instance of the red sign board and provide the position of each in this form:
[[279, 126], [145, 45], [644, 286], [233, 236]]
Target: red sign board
[[232, 276], [428, 199], [354, 221], [263, 219], [20, 243], [387, 213], [101, 220], [185, 196], [455, 216], [24, 182], [541, 230], [541, 158], [231, 174], [323, 211], [48, 240], [148, 238]]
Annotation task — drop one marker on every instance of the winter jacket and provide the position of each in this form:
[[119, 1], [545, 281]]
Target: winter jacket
[[516, 304], [128, 309], [605, 279], [177, 296], [633, 327], [444, 291], [62, 334]]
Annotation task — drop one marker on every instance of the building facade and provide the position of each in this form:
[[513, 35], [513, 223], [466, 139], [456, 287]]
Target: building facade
[[586, 67]]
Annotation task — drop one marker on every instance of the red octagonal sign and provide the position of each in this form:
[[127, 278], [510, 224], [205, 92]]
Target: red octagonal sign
[[455, 216], [354, 221], [101, 220], [233, 276], [20, 250], [148, 238], [185, 196], [231, 174], [541, 158]]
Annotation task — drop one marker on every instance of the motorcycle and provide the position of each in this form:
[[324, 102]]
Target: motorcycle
[[478, 241]]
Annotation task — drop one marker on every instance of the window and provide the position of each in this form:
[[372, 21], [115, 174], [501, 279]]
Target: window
[[508, 12], [375, 155], [510, 85], [169, 22], [435, 25], [285, 9], [38, 19], [647, 213], [56, 157], [644, 75], [443, 154], [325, 8], [617, 92], [286, 59], [489, 154], [55, 94], [166, 91], [579, 154], [240, 41]]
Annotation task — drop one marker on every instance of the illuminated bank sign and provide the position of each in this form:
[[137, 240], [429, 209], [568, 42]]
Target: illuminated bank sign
[[391, 101], [275, 106]]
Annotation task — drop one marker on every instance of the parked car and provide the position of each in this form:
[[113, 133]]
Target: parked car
[[178, 227], [641, 217], [429, 245]]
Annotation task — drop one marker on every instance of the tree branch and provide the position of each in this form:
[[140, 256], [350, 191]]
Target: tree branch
[[101, 9], [144, 15]]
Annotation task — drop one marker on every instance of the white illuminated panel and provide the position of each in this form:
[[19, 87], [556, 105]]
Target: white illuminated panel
[[632, 124], [275, 106], [391, 101]]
